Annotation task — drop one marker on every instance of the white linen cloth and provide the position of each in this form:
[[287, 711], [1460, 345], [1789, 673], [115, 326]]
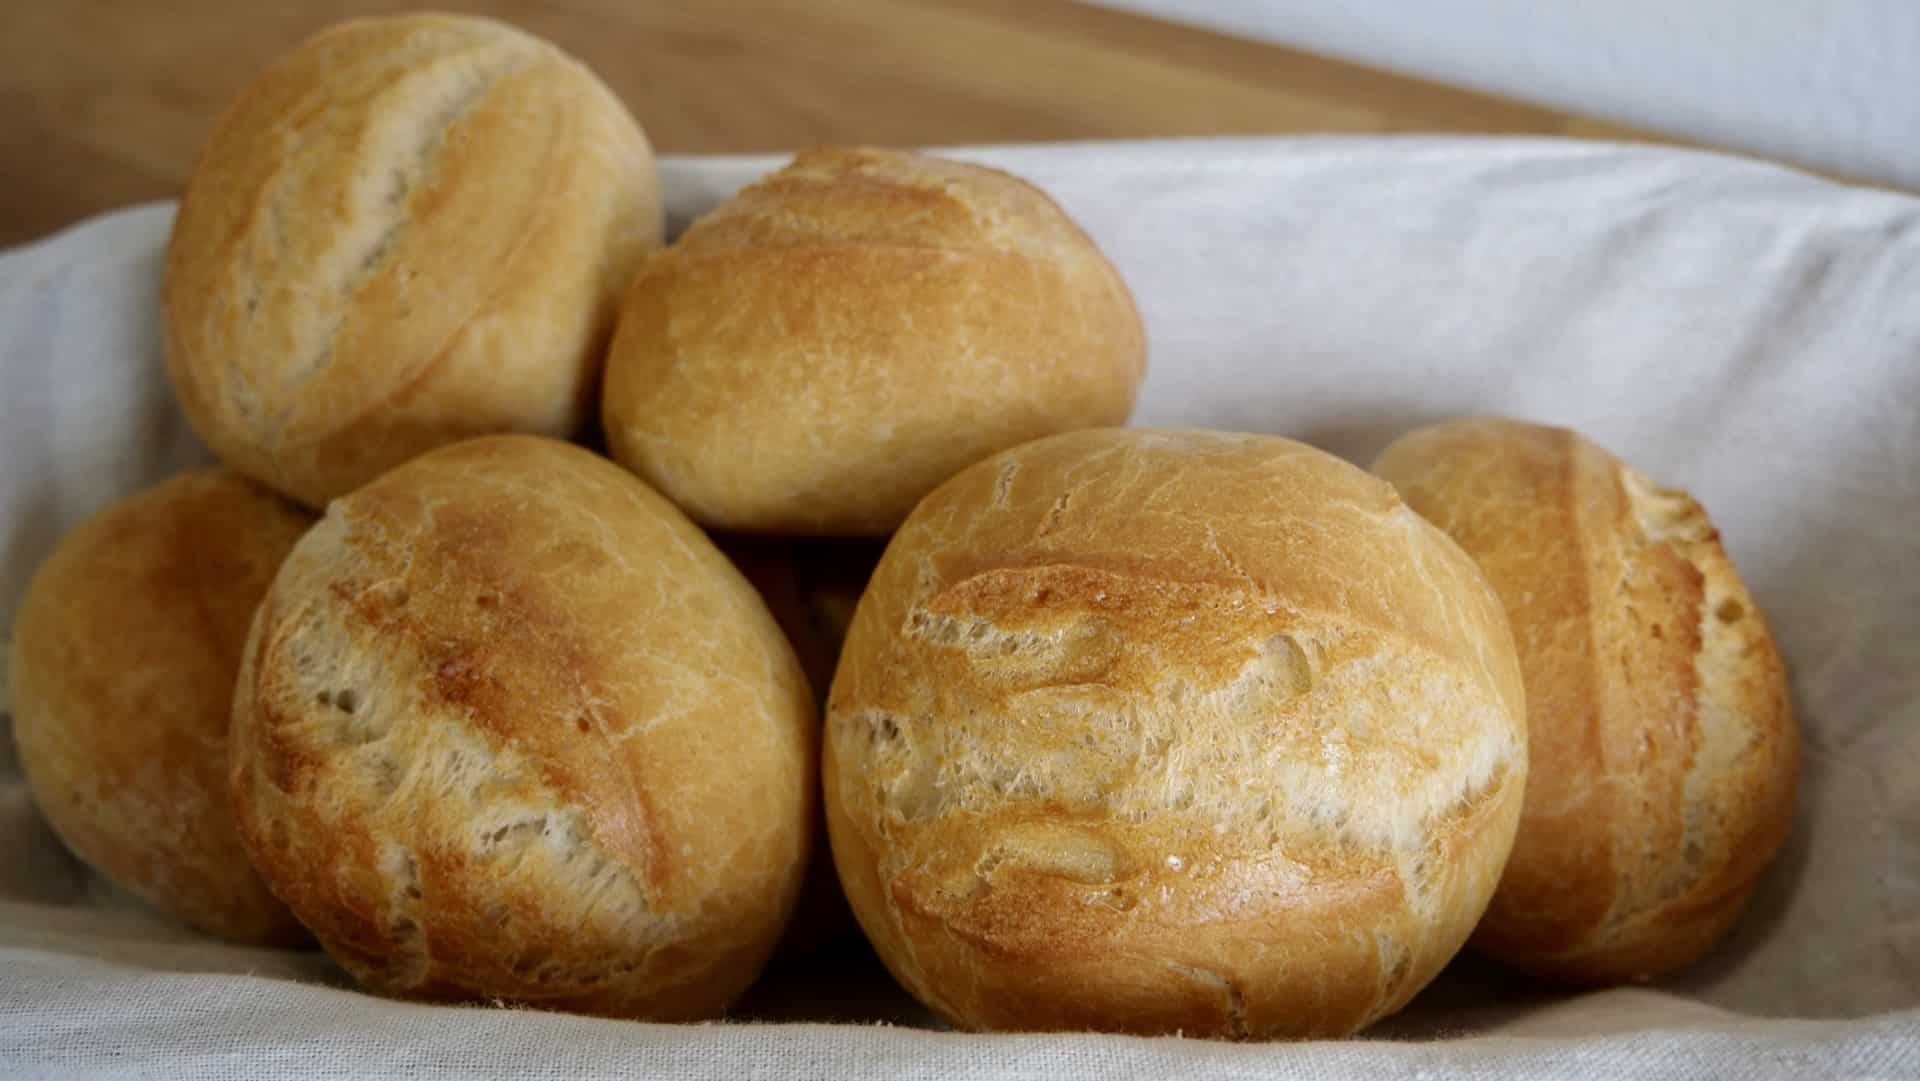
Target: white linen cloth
[[1746, 332]]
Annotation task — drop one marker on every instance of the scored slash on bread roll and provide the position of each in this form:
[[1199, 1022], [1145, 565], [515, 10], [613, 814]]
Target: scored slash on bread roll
[[510, 727], [831, 343], [1664, 751], [123, 662], [408, 231], [1159, 731]]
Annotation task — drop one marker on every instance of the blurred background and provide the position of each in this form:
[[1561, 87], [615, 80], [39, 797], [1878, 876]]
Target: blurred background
[[103, 104]]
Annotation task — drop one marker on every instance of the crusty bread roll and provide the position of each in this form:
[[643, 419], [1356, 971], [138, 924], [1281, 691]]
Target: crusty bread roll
[[830, 344], [509, 727], [406, 232], [1162, 731], [125, 650], [1664, 754], [772, 566]]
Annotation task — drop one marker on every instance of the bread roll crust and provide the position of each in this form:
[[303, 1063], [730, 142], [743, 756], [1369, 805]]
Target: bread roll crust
[[1171, 731], [831, 343], [1664, 750], [509, 727], [408, 231], [125, 651]]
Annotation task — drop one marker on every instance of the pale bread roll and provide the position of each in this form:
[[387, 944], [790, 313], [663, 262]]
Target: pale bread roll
[[125, 650], [834, 341], [1664, 751], [408, 231], [509, 727], [1158, 731]]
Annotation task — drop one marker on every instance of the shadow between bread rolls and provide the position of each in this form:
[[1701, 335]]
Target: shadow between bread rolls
[[810, 588], [1169, 731]]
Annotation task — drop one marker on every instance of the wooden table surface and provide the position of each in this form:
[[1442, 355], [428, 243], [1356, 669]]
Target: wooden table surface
[[105, 103]]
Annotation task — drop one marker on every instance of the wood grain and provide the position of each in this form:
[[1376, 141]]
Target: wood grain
[[104, 104]]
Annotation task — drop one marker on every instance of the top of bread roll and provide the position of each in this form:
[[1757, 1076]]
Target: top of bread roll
[[832, 342], [124, 656], [407, 231], [1166, 730], [1664, 752]]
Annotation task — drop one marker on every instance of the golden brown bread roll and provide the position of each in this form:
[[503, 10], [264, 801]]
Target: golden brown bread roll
[[124, 655], [509, 727], [408, 231], [827, 346], [1664, 753], [1160, 731]]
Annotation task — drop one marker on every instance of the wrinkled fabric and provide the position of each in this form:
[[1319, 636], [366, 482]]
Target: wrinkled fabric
[[1745, 332]]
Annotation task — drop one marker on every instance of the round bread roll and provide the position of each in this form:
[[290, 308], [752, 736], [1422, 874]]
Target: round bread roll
[[1160, 731], [830, 344], [406, 232], [509, 727], [1664, 754], [125, 651]]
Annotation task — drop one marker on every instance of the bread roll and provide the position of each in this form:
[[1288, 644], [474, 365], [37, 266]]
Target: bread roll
[[1160, 731], [509, 727], [1664, 753], [824, 348], [408, 231], [125, 650]]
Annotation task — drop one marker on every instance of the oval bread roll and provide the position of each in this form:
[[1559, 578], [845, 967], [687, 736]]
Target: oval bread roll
[[831, 343], [408, 231], [509, 727], [1169, 731], [1664, 753], [125, 651]]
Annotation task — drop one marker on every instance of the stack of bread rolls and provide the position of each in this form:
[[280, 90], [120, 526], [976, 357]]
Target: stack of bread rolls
[[1088, 727]]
